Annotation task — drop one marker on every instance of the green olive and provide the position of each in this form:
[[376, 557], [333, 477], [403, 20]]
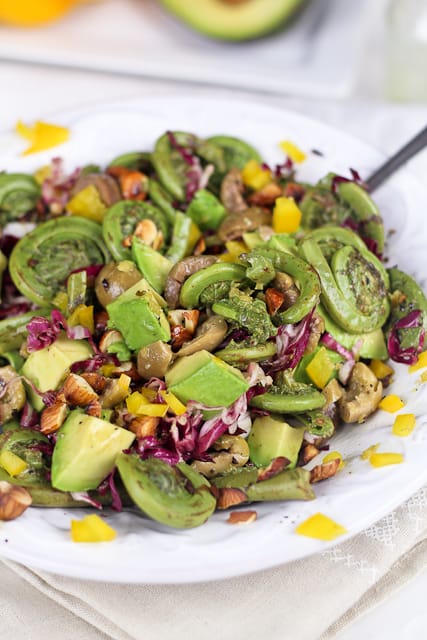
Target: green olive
[[114, 279]]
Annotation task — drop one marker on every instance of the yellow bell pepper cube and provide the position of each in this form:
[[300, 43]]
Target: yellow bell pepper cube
[[87, 203], [254, 176], [194, 235], [286, 215], [42, 135], [334, 455], [404, 424], [148, 394], [116, 391], [380, 369], [421, 363], [424, 376], [92, 529], [369, 451], [107, 369], [385, 459], [83, 316], [43, 173], [140, 406], [173, 403], [391, 403], [320, 369], [61, 301], [320, 527], [292, 151], [13, 464]]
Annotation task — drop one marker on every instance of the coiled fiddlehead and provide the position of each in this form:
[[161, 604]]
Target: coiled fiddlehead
[[354, 282], [41, 261]]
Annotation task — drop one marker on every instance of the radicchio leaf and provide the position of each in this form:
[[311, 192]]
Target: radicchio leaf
[[408, 355], [291, 342]]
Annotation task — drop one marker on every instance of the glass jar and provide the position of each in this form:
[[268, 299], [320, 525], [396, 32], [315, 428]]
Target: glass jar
[[406, 46]]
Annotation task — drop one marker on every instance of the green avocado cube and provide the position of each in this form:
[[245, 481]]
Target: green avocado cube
[[207, 379], [271, 437], [151, 263], [85, 451], [138, 315], [47, 367], [206, 210]]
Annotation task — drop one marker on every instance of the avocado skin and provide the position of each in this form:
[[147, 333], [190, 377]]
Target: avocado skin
[[177, 496], [215, 19]]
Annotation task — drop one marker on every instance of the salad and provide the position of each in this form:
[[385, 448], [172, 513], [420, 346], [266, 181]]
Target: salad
[[184, 329]]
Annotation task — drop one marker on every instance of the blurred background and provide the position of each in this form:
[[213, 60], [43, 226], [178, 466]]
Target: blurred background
[[313, 48], [341, 61]]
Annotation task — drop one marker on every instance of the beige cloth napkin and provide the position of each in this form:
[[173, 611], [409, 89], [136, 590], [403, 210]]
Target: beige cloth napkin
[[311, 599]]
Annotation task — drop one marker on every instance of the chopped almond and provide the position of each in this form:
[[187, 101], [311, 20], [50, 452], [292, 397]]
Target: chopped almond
[[230, 497], [242, 517], [274, 300]]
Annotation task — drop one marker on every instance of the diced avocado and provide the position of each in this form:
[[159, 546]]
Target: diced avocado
[[233, 20], [207, 379], [271, 437], [372, 343], [151, 263], [85, 452], [138, 315], [48, 367], [206, 210]]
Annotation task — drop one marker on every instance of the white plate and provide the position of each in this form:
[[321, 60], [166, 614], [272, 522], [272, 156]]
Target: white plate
[[139, 38], [145, 552]]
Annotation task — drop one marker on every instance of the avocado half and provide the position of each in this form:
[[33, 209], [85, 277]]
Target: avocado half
[[233, 20]]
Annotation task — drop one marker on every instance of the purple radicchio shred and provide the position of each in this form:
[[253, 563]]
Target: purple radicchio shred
[[108, 484], [396, 352], [7, 243], [156, 383], [330, 342], [291, 342], [256, 390], [228, 420], [357, 227], [56, 189], [43, 332], [237, 335], [180, 433], [93, 364], [48, 397], [196, 177], [46, 448], [29, 417], [283, 170], [151, 447], [355, 177], [83, 496]]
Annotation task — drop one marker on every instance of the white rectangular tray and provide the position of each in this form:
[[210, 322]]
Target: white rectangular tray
[[317, 55]]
